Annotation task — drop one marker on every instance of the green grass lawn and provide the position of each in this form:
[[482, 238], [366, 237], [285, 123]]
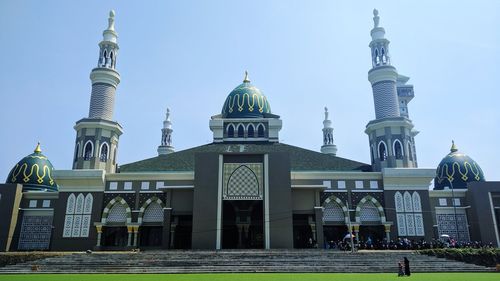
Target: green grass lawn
[[254, 277]]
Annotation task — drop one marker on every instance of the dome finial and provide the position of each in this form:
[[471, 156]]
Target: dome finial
[[111, 20], [376, 18], [453, 146], [326, 113], [38, 149], [246, 80]]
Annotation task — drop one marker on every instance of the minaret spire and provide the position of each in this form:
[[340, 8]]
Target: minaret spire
[[97, 136], [328, 146], [104, 77], [391, 133], [166, 136]]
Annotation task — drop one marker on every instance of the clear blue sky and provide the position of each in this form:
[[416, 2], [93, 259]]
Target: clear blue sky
[[188, 55]]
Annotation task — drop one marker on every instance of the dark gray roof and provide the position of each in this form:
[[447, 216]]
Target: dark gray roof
[[300, 159]]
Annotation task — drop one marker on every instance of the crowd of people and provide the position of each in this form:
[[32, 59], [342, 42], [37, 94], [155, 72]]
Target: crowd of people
[[403, 244]]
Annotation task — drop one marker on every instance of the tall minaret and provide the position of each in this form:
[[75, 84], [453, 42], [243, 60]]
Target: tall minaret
[[328, 146], [97, 136], [166, 136], [391, 134]]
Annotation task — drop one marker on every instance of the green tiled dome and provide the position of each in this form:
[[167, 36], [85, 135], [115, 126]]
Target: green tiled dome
[[34, 172], [245, 101], [457, 168]]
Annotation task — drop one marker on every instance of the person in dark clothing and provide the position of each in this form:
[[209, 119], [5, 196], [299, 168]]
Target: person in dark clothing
[[407, 267], [401, 271]]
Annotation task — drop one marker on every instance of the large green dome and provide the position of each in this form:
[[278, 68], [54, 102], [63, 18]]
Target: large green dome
[[34, 172], [245, 101], [457, 168]]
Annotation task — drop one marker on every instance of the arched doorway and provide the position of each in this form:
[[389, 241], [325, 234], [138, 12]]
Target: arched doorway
[[334, 221], [370, 215], [151, 229], [116, 215]]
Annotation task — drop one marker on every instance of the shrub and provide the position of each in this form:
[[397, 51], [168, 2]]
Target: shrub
[[482, 256], [14, 258]]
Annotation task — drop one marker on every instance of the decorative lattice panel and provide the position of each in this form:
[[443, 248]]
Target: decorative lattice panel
[[35, 233], [89, 200], [242, 181], [333, 212], [153, 213], [68, 226], [85, 226], [117, 214], [70, 205], [77, 226], [410, 224], [398, 200], [410, 220], [417, 205], [408, 202], [446, 225], [369, 213], [401, 224], [419, 225]]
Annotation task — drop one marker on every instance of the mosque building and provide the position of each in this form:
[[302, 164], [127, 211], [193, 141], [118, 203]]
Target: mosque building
[[245, 189]]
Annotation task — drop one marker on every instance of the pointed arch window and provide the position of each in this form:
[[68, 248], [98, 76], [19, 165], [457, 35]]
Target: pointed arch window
[[377, 59], [260, 131], [104, 58], [398, 149], [104, 152], [230, 131], [78, 215], [88, 151], [382, 151], [117, 214], [333, 212], [409, 218], [153, 213], [369, 212], [241, 131], [384, 58], [251, 131]]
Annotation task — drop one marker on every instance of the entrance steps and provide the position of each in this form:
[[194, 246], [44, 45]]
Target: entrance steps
[[174, 261]]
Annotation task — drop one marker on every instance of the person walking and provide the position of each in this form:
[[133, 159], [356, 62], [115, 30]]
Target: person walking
[[407, 267], [401, 271]]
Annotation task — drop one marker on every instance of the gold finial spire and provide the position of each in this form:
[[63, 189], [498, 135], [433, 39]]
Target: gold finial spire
[[38, 149], [453, 146], [246, 80]]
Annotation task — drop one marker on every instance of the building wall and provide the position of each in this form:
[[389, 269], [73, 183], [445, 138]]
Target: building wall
[[205, 201], [484, 222], [280, 201]]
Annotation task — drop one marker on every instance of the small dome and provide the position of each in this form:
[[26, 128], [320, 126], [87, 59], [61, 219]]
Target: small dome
[[245, 101], [457, 168], [34, 172]]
